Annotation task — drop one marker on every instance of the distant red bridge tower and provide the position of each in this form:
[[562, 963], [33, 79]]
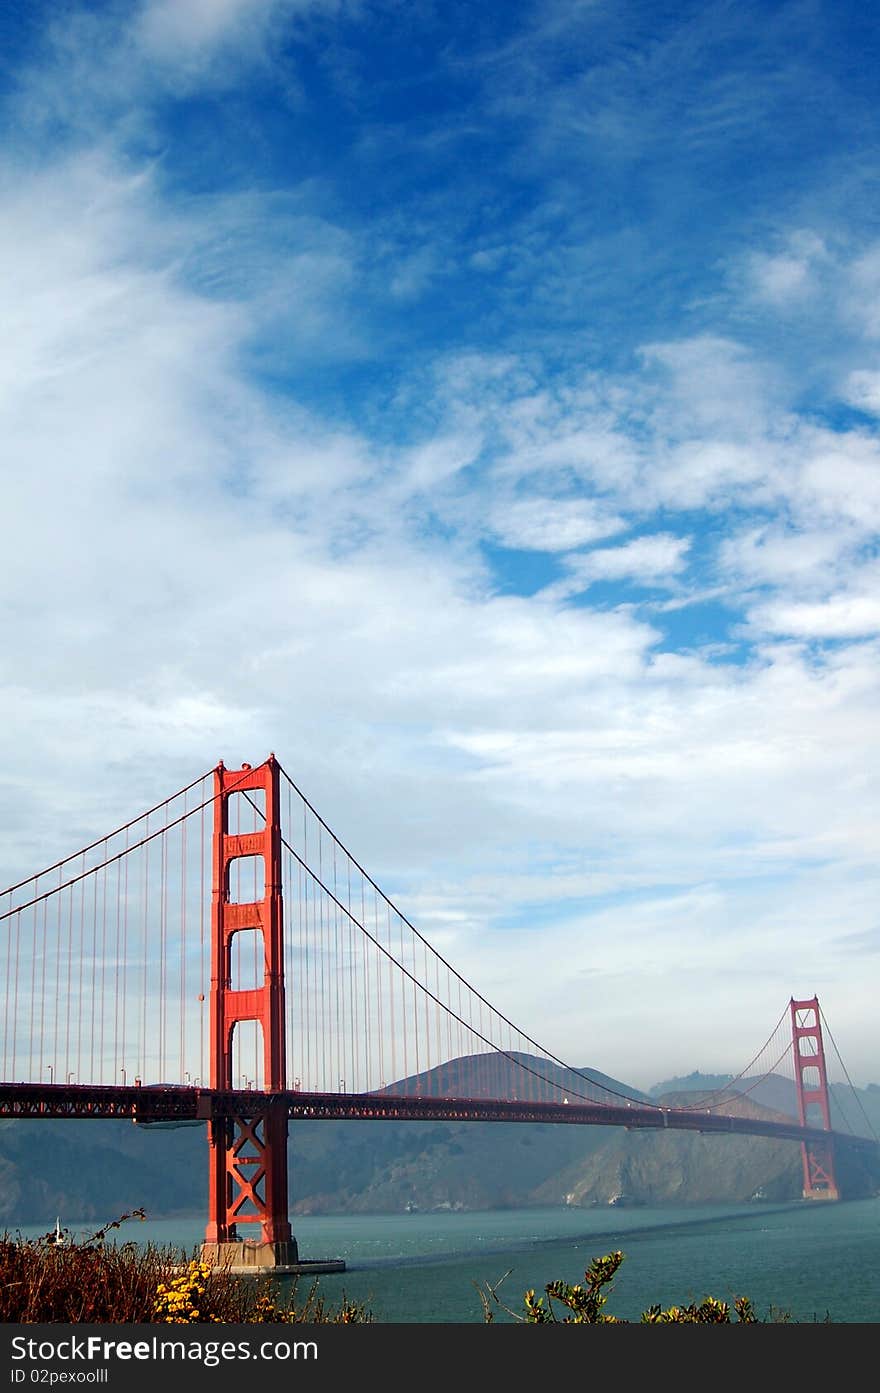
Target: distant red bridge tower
[[811, 1078], [248, 1146]]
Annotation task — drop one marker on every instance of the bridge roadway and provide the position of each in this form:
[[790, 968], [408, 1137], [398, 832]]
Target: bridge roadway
[[180, 1103]]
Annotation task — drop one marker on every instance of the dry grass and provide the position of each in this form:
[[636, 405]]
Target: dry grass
[[96, 1282]]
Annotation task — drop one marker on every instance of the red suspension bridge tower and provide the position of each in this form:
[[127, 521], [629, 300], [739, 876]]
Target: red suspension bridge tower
[[811, 1078], [248, 1146]]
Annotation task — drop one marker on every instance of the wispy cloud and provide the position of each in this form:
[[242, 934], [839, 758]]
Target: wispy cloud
[[867, 942], [327, 404], [553, 524], [645, 561]]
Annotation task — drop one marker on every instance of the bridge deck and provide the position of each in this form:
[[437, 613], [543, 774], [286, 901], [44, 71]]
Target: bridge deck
[[181, 1103]]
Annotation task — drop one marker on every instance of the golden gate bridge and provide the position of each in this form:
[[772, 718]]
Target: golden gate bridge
[[224, 958]]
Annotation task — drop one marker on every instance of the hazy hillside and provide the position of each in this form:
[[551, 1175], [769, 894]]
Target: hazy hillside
[[859, 1113], [90, 1170], [669, 1167], [517, 1075]]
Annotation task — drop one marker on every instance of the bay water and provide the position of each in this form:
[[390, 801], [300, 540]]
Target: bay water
[[812, 1261]]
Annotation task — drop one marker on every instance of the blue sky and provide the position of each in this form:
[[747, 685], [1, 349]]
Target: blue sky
[[478, 406]]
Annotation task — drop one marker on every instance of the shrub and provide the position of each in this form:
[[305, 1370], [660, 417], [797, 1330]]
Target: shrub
[[584, 1303], [43, 1281]]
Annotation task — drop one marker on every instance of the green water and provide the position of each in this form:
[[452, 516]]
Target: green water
[[811, 1260]]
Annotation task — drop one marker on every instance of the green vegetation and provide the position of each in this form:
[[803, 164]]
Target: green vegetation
[[43, 1280], [583, 1304]]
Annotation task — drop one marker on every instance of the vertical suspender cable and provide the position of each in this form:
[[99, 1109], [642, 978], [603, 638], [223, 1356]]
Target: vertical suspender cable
[[163, 923], [15, 996], [366, 1030], [392, 1022], [381, 1025], [460, 1029], [142, 1034], [123, 1042], [8, 932], [32, 1044], [337, 972], [403, 1009], [43, 956], [448, 999], [321, 955], [415, 992], [203, 963], [8, 1013], [182, 1070], [353, 984], [438, 1014], [309, 1082], [96, 1006], [79, 974], [117, 959], [68, 982], [103, 991], [429, 1007], [301, 997]]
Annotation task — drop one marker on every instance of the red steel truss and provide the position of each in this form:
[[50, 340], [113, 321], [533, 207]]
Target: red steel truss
[[811, 1078], [248, 1146]]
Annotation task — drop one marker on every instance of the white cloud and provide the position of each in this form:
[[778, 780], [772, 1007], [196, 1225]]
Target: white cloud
[[786, 557], [862, 389], [203, 43], [169, 28], [652, 560], [780, 278], [711, 385], [790, 275], [713, 473], [840, 616], [433, 463], [101, 74], [412, 274], [591, 450], [552, 524], [838, 481], [863, 292], [645, 559]]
